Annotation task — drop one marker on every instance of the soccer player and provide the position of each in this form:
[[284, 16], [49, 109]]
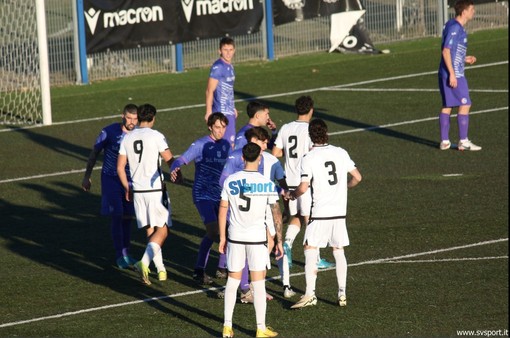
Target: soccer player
[[245, 195], [328, 171], [258, 116], [271, 168], [452, 82], [210, 154], [113, 201], [293, 142], [219, 94], [143, 149]]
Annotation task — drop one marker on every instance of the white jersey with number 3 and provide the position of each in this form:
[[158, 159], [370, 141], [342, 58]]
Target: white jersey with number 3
[[326, 167]]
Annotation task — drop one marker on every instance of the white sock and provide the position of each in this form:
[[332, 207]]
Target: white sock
[[292, 232], [260, 303], [230, 300], [310, 270], [341, 270], [283, 266], [158, 259], [150, 251]]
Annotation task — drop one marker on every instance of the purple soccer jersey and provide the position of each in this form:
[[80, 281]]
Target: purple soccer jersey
[[223, 97]]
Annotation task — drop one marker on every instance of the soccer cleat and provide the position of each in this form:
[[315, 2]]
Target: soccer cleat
[[445, 145], [227, 332], [202, 278], [324, 264], [247, 297], [268, 332], [468, 145], [144, 272], [342, 300], [288, 292], [130, 260], [162, 276], [221, 273], [121, 263], [287, 250], [305, 301]]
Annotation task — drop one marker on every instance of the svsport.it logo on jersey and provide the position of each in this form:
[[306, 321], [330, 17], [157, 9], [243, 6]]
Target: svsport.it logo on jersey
[[130, 16], [211, 7]]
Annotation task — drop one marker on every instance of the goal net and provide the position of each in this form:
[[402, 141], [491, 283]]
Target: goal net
[[24, 75]]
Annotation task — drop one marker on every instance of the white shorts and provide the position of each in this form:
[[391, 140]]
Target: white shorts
[[321, 233], [150, 210], [256, 254], [270, 221], [301, 205]]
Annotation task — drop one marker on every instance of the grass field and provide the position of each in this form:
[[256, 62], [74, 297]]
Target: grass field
[[428, 228]]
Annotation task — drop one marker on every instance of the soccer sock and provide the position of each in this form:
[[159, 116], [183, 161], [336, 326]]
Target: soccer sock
[[260, 303], [290, 235], [126, 236], [311, 270], [116, 231], [230, 300], [203, 252], [151, 251], [463, 123], [222, 262], [245, 278], [444, 126], [283, 266], [158, 258], [341, 270]]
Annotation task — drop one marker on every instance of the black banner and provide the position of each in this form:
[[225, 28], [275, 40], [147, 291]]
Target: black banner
[[122, 24]]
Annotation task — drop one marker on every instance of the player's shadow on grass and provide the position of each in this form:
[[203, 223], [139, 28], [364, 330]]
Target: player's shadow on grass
[[323, 113]]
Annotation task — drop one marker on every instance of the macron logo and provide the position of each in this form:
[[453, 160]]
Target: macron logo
[[92, 16], [187, 6]]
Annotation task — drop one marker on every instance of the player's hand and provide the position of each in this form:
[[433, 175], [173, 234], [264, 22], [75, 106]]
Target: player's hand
[[270, 124], [86, 184], [278, 250], [221, 246], [176, 176], [470, 59], [206, 116]]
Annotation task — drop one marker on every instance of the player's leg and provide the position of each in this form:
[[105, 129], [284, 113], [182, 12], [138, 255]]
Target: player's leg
[[339, 240], [444, 116], [236, 259], [209, 214]]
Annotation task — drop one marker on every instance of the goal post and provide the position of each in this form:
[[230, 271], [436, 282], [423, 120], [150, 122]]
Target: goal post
[[24, 67]]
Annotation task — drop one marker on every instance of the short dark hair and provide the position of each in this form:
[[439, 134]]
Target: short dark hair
[[251, 152], [461, 5], [227, 40], [215, 117], [259, 133], [253, 107], [146, 113], [318, 131], [130, 108], [303, 105]]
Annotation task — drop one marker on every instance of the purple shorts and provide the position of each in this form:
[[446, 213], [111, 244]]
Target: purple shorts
[[208, 211], [454, 97], [113, 197]]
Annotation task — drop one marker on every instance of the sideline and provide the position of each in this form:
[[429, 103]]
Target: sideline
[[183, 294]]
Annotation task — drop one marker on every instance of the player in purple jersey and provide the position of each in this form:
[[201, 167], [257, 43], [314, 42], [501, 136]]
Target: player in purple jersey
[[258, 116], [210, 154], [452, 82], [219, 94], [113, 202]]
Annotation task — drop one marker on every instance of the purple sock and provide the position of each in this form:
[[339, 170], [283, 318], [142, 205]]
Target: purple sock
[[444, 126], [463, 123], [245, 281], [126, 236], [203, 252], [116, 231], [222, 263]]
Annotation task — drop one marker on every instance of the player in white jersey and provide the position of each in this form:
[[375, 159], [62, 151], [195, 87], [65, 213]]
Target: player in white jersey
[[245, 195], [143, 150], [329, 171], [293, 142]]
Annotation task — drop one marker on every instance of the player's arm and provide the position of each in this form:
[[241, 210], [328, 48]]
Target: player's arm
[[300, 190], [209, 94], [355, 178], [447, 57], [278, 225], [86, 182], [277, 152], [121, 172], [222, 223]]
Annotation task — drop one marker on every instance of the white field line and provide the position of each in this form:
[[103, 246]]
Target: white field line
[[298, 92], [411, 90], [433, 118], [183, 294]]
